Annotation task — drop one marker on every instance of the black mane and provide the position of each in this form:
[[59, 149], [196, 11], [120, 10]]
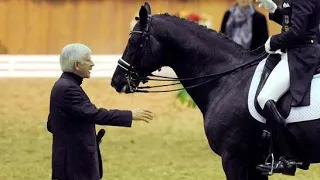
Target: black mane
[[210, 32]]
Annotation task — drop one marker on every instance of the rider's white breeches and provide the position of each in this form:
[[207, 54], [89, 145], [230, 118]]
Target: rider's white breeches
[[277, 83]]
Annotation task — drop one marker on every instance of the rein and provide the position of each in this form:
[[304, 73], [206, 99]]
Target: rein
[[213, 76]]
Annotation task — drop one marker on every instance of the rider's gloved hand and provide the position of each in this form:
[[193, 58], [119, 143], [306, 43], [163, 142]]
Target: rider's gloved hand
[[268, 5]]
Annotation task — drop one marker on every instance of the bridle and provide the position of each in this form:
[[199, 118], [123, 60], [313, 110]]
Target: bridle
[[132, 73]]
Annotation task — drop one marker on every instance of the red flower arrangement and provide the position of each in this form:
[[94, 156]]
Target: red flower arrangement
[[202, 19]]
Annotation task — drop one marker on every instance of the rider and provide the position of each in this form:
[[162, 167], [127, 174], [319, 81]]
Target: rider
[[300, 22]]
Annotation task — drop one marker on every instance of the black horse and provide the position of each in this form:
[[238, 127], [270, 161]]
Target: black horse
[[217, 74]]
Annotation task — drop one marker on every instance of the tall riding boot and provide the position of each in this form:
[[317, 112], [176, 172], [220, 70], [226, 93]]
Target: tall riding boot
[[277, 124]]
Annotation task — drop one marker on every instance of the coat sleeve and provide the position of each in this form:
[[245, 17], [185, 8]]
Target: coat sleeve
[[81, 108], [301, 10], [224, 22], [265, 31], [277, 16], [261, 30]]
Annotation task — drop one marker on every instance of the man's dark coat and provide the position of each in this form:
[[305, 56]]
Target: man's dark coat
[[72, 119]]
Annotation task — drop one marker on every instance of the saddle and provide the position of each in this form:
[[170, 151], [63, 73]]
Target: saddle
[[284, 103]]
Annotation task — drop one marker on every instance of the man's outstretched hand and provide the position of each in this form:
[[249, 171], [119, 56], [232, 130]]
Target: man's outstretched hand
[[142, 115]]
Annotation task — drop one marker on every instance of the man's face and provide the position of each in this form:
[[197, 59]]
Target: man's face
[[244, 3], [83, 68]]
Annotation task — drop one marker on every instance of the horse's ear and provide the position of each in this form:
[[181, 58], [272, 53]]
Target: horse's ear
[[148, 7], [143, 16]]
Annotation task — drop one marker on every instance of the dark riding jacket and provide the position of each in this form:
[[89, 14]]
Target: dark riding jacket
[[300, 23]]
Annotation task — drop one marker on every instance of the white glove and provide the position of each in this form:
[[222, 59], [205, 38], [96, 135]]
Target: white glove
[[267, 47], [268, 5]]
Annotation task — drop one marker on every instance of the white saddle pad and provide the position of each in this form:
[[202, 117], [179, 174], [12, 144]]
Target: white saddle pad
[[297, 114]]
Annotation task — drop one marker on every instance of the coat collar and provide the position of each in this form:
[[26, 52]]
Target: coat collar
[[73, 77]]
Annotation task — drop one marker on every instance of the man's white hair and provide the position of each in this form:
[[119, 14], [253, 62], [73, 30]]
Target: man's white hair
[[72, 53]]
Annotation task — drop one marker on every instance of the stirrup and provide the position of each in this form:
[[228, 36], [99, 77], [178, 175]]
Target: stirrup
[[268, 135], [271, 155]]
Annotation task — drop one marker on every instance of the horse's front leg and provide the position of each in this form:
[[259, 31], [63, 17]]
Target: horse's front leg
[[238, 166]]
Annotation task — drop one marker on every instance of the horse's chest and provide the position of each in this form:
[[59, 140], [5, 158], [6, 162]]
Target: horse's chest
[[223, 131]]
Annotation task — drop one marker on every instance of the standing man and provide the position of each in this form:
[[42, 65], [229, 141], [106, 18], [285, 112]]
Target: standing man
[[72, 119]]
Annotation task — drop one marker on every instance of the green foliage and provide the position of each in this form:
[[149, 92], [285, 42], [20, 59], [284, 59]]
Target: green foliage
[[184, 97]]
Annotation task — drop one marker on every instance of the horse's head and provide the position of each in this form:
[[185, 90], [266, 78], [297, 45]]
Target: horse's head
[[141, 56]]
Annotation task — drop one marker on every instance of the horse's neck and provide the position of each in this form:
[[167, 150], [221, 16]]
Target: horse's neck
[[210, 94], [194, 62]]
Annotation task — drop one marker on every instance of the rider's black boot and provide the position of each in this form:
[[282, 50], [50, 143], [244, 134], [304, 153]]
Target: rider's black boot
[[277, 124]]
